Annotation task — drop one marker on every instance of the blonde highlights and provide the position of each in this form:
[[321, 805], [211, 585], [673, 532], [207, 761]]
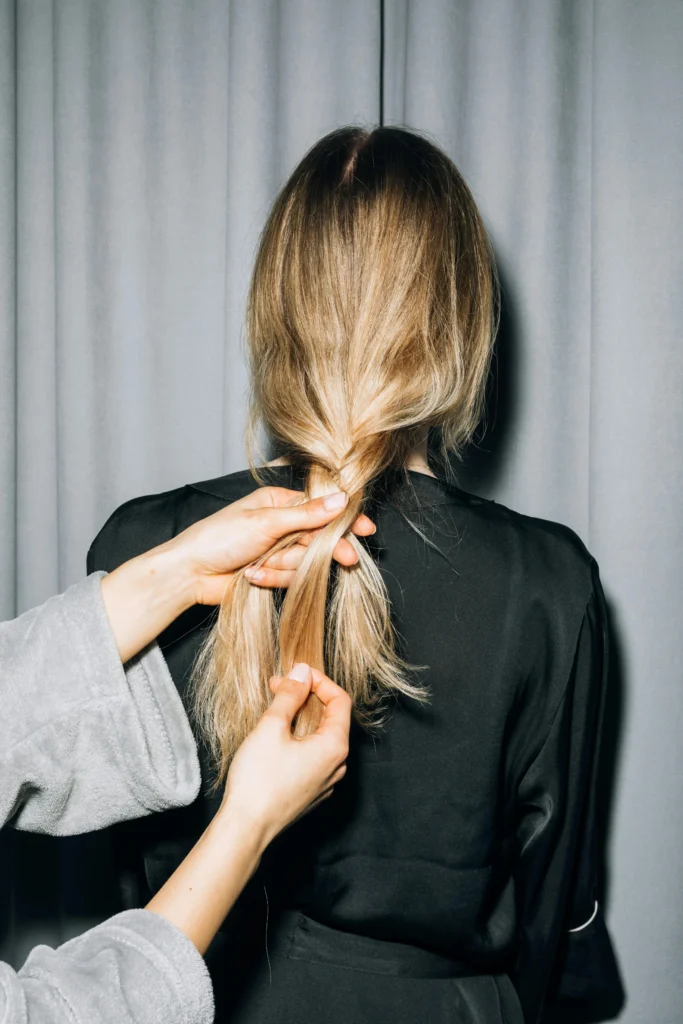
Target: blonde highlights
[[370, 320]]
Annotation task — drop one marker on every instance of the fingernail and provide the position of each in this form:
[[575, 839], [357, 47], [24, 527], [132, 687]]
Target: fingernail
[[254, 574], [301, 672], [335, 501]]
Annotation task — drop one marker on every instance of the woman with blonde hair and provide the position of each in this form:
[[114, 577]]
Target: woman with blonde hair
[[453, 876]]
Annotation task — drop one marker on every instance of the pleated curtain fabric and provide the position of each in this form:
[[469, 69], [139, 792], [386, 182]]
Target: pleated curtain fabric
[[141, 144], [567, 120]]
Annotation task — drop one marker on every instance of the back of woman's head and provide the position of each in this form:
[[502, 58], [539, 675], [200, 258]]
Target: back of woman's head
[[370, 321]]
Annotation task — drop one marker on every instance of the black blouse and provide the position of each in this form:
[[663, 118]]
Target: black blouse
[[465, 828]]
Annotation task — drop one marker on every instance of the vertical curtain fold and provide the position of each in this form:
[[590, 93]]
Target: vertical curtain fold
[[637, 471], [8, 307]]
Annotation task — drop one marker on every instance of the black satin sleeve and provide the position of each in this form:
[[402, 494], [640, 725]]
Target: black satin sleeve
[[565, 953]]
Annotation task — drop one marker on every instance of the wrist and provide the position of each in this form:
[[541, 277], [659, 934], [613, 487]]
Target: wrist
[[144, 595], [169, 567], [244, 826]]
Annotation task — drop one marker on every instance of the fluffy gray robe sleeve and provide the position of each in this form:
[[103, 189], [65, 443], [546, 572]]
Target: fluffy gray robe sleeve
[[83, 744]]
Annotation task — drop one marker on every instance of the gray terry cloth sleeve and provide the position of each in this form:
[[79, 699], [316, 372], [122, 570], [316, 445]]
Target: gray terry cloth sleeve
[[83, 742], [135, 968]]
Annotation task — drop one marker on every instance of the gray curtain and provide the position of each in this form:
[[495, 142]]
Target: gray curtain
[[141, 144]]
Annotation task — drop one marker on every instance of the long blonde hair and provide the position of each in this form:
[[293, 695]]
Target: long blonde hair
[[371, 316]]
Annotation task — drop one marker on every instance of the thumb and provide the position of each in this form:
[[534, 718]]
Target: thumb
[[309, 515], [291, 693]]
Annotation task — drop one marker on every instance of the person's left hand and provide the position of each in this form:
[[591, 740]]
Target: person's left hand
[[217, 546]]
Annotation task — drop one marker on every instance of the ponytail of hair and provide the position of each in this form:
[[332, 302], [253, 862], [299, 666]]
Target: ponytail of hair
[[371, 316]]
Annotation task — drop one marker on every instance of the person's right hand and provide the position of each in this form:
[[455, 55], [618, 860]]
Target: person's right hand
[[275, 777]]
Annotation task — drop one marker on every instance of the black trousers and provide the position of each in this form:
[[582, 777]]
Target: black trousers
[[307, 973]]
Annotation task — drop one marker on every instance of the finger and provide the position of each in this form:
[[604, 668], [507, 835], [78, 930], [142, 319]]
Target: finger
[[272, 497], [291, 557], [326, 689], [336, 721], [322, 686], [291, 693], [286, 558], [284, 497], [345, 553], [338, 775], [271, 579], [363, 527], [311, 515]]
